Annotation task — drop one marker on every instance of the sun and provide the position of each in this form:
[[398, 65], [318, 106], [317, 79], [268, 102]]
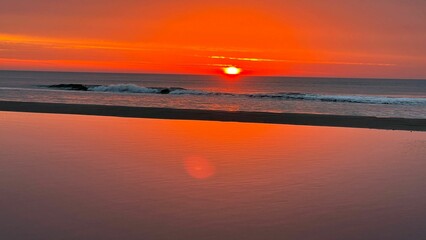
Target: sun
[[231, 70]]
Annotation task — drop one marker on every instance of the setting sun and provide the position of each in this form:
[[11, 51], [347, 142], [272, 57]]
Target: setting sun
[[232, 70]]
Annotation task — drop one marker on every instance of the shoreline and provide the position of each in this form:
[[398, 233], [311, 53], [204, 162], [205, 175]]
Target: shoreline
[[217, 115]]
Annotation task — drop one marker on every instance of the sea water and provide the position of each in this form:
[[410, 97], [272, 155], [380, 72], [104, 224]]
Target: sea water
[[404, 98]]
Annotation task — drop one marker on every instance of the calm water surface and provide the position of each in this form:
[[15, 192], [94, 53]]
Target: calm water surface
[[85, 177]]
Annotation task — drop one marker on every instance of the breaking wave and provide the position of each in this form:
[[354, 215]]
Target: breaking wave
[[123, 88], [343, 98], [132, 88]]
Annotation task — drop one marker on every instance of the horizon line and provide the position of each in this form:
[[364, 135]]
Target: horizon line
[[200, 74]]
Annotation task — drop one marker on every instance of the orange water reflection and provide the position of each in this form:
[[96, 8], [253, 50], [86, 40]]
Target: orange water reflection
[[199, 167], [150, 178]]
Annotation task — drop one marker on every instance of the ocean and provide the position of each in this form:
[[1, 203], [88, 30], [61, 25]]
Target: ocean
[[403, 98], [101, 177]]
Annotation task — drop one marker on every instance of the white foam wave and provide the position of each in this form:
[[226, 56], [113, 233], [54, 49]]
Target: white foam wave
[[189, 92], [345, 98], [132, 88], [120, 88]]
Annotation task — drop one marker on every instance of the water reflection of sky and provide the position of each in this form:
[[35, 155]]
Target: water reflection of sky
[[87, 177]]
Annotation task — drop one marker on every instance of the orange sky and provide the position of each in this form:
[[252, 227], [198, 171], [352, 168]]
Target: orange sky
[[382, 38]]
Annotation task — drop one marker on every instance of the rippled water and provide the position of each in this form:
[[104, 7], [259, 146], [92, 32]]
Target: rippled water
[[85, 177], [359, 97]]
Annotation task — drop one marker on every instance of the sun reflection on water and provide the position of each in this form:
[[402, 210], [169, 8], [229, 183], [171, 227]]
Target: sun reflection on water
[[199, 167]]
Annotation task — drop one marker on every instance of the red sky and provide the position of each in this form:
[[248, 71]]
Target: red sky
[[381, 38]]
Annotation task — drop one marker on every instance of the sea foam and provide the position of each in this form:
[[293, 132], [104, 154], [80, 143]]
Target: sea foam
[[363, 99], [122, 88]]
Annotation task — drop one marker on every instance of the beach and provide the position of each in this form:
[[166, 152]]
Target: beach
[[212, 115], [212, 120], [68, 176]]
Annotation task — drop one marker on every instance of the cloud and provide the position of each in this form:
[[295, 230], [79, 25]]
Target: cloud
[[250, 59]]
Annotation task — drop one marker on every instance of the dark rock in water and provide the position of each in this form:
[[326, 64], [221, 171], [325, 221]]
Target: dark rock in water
[[77, 87], [162, 90], [165, 91]]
